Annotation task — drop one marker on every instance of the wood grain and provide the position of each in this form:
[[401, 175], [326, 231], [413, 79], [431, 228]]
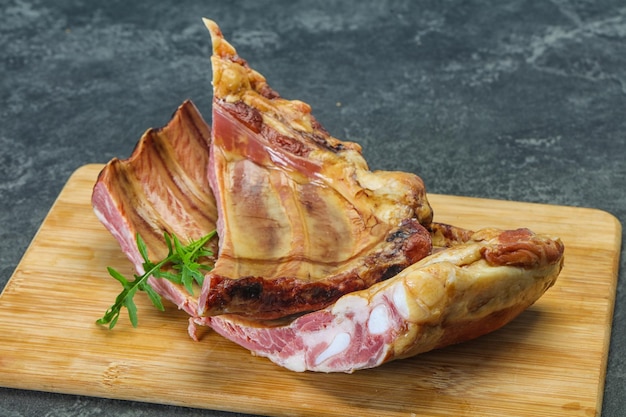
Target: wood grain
[[550, 361]]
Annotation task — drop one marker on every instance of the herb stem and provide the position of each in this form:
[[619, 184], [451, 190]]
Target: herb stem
[[185, 269]]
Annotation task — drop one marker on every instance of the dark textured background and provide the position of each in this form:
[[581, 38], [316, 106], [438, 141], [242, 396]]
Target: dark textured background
[[516, 100]]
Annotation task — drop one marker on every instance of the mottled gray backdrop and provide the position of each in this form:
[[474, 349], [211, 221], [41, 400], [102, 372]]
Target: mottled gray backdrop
[[516, 100]]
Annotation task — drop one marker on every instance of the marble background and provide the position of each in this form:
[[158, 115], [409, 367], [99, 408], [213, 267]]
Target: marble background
[[516, 100]]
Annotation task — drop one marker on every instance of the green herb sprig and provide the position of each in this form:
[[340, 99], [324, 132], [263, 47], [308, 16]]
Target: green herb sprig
[[184, 269]]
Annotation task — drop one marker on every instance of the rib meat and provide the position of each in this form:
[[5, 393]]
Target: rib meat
[[478, 284], [299, 210], [301, 218], [162, 187]]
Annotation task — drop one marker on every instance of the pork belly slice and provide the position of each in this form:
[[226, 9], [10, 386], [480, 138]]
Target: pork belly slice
[[301, 218], [161, 187], [468, 289]]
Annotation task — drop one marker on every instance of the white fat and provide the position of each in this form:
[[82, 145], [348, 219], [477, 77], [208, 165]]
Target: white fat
[[378, 322], [349, 303], [399, 301], [294, 362], [338, 345]]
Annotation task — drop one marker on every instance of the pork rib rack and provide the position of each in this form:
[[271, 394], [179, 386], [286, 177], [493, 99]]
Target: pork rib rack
[[301, 218], [298, 209], [162, 187], [475, 284]]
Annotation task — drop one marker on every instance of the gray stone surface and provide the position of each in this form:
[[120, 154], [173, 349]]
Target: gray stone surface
[[516, 100]]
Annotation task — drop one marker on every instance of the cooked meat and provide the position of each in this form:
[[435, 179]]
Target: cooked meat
[[467, 290], [301, 218], [346, 262], [162, 187]]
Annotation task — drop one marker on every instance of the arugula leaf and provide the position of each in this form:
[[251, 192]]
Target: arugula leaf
[[180, 258]]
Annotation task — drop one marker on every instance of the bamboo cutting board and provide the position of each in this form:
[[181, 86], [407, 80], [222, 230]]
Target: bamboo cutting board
[[550, 361]]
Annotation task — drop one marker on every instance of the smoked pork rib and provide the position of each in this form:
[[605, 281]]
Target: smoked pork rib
[[162, 187], [472, 282], [301, 218], [476, 284]]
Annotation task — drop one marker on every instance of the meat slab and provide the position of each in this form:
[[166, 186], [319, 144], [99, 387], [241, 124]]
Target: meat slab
[[452, 296], [301, 218], [162, 187]]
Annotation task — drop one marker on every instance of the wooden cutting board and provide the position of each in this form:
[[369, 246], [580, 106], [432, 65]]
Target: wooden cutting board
[[549, 361]]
